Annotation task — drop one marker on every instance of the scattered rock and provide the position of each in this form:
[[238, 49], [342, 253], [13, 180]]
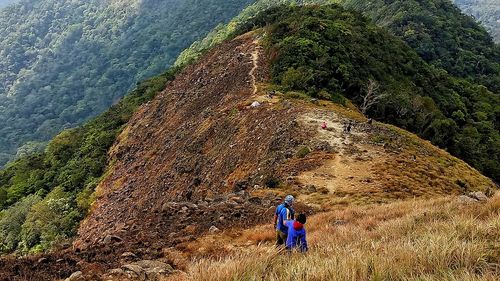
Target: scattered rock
[[144, 270], [466, 199], [311, 188], [237, 199], [287, 104], [75, 276], [134, 268], [340, 222], [116, 271], [480, 196], [42, 260], [129, 255], [111, 239], [190, 229], [255, 200], [255, 104], [169, 206], [213, 229], [324, 146]]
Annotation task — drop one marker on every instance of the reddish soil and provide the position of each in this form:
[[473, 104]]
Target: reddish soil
[[193, 157], [186, 161]]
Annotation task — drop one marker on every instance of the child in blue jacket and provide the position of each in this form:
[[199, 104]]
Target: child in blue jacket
[[296, 234]]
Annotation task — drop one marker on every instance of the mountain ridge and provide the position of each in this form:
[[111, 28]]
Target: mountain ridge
[[219, 143]]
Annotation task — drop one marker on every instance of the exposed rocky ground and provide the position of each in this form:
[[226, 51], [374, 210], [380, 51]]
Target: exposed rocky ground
[[214, 154]]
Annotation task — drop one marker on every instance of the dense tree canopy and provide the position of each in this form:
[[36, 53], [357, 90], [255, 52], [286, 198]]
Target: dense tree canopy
[[44, 196], [441, 35], [62, 62]]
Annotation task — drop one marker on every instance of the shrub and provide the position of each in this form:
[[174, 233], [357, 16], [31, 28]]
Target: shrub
[[49, 221], [272, 182], [11, 221], [303, 151]]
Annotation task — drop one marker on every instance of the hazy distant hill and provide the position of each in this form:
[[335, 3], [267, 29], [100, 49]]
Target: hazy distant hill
[[485, 11], [6, 2]]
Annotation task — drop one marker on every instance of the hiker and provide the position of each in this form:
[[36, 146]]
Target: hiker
[[324, 126], [283, 213], [296, 238], [347, 128]]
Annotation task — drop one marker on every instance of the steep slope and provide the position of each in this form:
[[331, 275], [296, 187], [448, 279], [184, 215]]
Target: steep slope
[[63, 62], [485, 11], [203, 153], [459, 128], [199, 154]]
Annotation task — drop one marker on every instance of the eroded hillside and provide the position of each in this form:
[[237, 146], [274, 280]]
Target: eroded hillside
[[217, 150]]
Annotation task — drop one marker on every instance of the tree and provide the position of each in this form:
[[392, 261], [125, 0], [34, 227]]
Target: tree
[[372, 96]]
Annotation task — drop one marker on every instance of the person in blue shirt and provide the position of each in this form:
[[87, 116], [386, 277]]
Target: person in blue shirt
[[283, 213], [296, 238]]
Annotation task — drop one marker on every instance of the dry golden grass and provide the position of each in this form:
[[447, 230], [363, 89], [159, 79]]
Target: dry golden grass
[[438, 239]]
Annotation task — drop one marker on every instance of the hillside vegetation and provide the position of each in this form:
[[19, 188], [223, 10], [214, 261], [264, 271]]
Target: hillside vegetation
[[441, 35], [485, 11], [439, 99], [329, 53], [64, 62], [44, 196], [435, 29], [438, 239]]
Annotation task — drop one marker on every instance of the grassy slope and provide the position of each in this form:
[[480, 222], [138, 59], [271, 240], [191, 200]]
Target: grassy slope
[[437, 239]]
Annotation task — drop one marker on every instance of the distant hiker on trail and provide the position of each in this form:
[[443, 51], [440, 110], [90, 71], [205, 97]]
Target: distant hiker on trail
[[296, 238], [283, 213], [324, 126], [347, 127]]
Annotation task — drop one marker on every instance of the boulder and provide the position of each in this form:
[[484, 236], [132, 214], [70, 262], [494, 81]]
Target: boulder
[[213, 229], [466, 199], [133, 267], [111, 239], [255, 104], [311, 188], [129, 255], [75, 276], [480, 196], [116, 272]]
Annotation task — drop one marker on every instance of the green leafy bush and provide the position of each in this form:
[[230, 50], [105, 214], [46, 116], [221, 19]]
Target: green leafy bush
[[11, 221]]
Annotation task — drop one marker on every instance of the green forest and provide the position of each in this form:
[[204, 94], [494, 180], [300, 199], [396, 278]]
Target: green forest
[[44, 196], [485, 11], [63, 62], [452, 45]]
